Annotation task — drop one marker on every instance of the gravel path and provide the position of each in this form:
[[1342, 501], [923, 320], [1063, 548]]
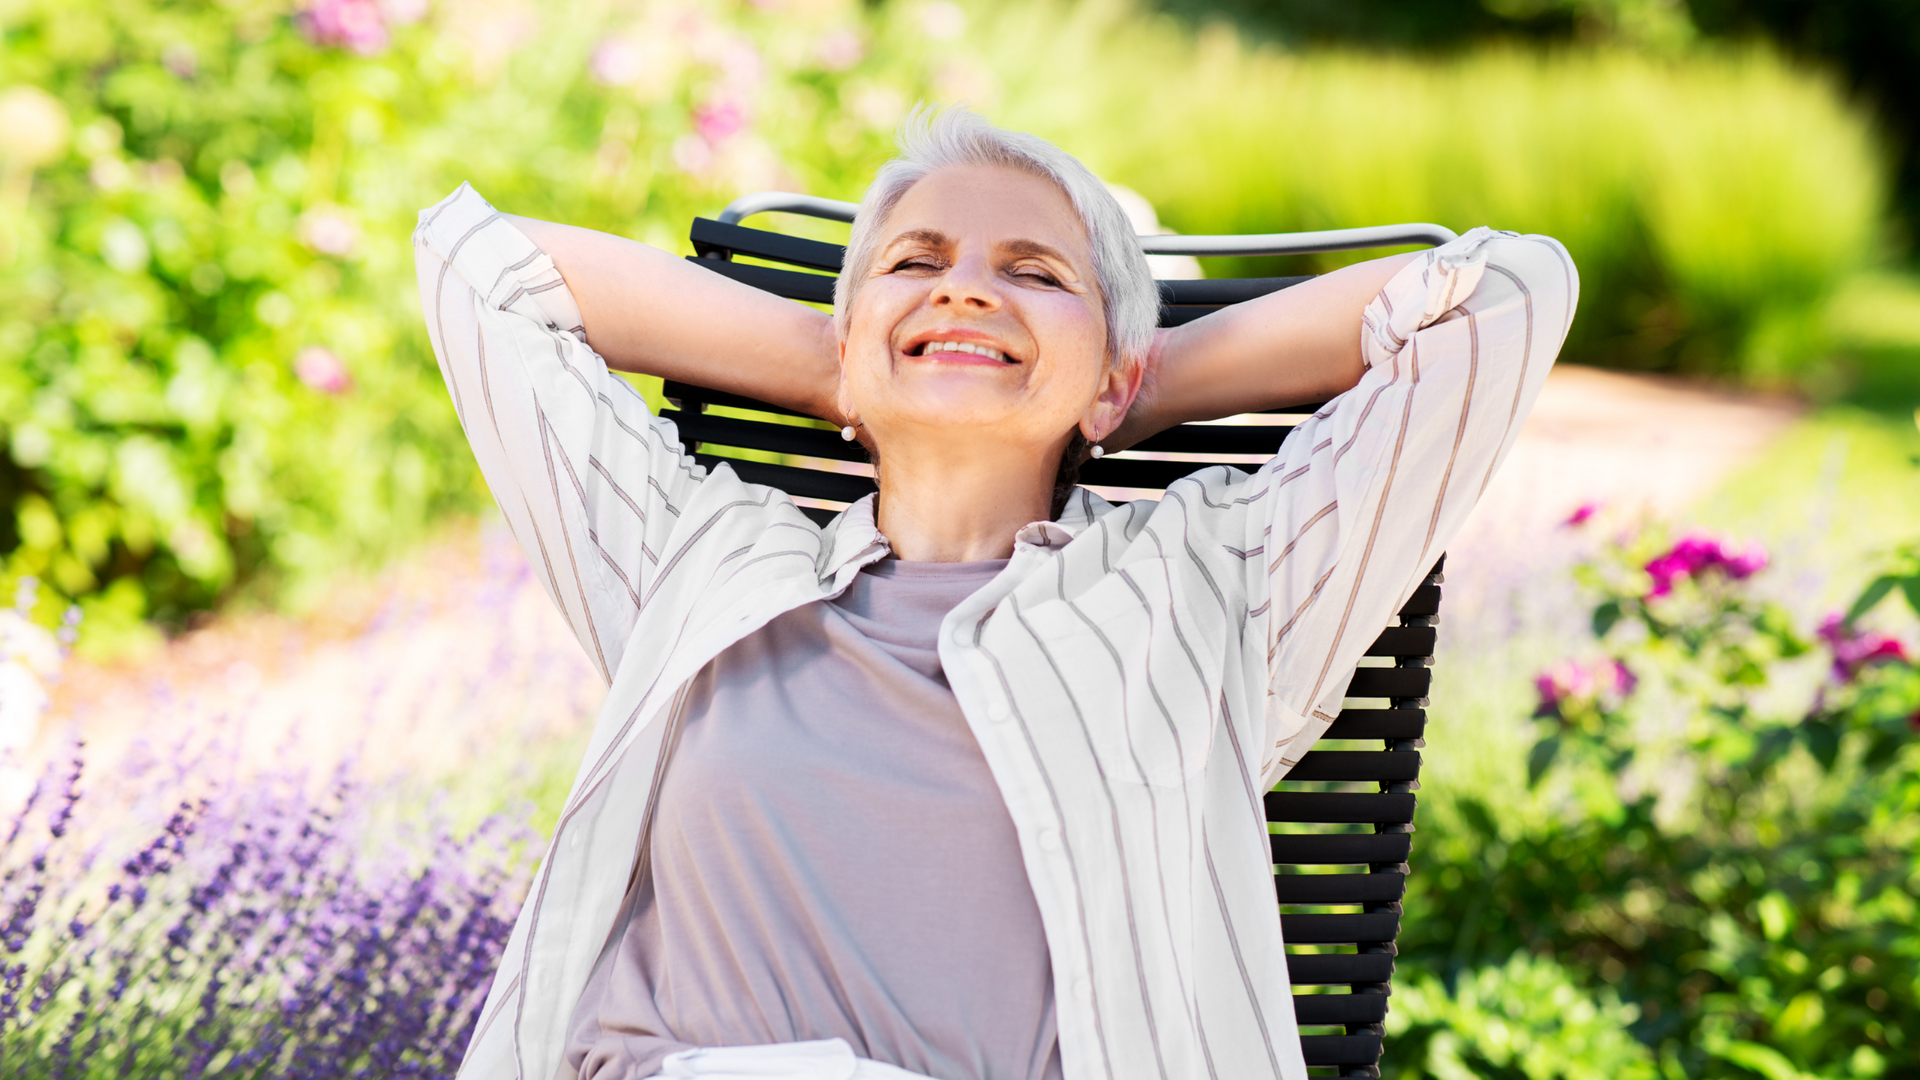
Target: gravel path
[[444, 660]]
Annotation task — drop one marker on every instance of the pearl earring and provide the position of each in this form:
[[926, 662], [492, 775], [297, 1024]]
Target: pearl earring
[[1099, 451], [847, 433]]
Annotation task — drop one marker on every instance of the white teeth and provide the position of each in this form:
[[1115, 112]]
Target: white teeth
[[962, 347]]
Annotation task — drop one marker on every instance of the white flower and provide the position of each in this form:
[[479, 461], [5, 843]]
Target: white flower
[[33, 126]]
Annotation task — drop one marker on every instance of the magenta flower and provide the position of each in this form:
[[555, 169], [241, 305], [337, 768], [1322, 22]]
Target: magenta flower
[[322, 369], [1697, 553], [1581, 513], [359, 25], [1603, 683], [718, 121], [1855, 649]]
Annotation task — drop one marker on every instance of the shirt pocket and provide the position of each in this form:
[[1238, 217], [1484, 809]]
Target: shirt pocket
[[1143, 669]]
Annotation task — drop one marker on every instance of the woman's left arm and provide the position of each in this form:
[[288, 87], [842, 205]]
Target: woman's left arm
[[1294, 346], [1348, 517]]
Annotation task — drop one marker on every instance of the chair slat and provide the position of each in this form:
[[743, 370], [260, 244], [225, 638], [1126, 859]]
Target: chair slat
[[1215, 439], [1341, 1049], [1390, 682], [758, 435], [1342, 928], [792, 284], [1385, 887], [1378, 765], [1338, 969], [1217, 292], [689, 394], [718, 238], [839, 487], [1343, 1009], [1339, 807], [1378, 724], [1340, 849], [1424, 601], [1136, 473], [1404, 641]]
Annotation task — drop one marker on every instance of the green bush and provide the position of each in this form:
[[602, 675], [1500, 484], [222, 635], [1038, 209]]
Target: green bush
[[213, 380], [1724, 828], [212, 370], [1714, 203]]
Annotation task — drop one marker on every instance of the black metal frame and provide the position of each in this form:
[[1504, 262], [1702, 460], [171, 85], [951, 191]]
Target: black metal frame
[[1342, 820]]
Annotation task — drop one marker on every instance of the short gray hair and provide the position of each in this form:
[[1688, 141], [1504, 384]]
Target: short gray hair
[[931, 139]]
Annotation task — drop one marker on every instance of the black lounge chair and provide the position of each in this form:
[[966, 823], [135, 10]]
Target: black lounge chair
[[1342, 820]]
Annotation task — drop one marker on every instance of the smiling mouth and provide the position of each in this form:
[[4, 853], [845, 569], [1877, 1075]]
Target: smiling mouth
[[986, 352]]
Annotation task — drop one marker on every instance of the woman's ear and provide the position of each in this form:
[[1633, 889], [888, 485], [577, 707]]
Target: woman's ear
[[1118, 388]]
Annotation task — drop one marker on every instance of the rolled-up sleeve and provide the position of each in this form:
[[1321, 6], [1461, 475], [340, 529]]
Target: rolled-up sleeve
[[588, 479], [1367, 494]]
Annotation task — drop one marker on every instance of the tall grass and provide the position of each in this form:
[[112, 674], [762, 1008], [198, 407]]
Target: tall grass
[[1713, 202]]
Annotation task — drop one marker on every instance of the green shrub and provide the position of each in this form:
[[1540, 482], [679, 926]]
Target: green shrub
[[1723, 827], [1713, 203], [1527, 1019], [213, 380], [212, 370]]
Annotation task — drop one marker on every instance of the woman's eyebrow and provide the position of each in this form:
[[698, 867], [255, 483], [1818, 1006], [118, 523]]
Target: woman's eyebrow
[[933, 238]]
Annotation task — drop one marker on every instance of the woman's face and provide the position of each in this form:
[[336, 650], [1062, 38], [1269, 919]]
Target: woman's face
[[982, 313]]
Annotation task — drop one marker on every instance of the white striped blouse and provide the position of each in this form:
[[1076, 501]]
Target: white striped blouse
[[1136, 676]]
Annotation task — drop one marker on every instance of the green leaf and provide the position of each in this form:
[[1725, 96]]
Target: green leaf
[[1876, 592], [1823, 742], [1911, 588], [1542, 756], [1605, 616]]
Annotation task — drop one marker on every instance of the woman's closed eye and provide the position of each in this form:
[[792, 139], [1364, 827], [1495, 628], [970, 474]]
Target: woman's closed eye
[[1038, 274]]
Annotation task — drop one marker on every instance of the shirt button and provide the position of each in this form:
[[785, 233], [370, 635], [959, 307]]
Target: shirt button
[[961, 637], [1082, 989], [573, 841], [1050, 839], [999, 713]]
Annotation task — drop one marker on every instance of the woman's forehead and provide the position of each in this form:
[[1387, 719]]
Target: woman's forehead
[[992, 205]]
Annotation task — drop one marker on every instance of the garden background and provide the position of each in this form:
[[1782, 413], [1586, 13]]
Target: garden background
[[1669, 823]]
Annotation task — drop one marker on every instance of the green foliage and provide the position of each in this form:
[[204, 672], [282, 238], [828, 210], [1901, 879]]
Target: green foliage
[[212, 370], [1528, 1019], [1734, 843], [1686, 264], [213, 381]]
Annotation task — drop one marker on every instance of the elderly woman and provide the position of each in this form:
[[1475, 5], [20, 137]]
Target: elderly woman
[[965, 785]]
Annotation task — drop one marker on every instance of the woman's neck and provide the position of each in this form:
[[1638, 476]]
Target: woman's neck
[[961, 506]]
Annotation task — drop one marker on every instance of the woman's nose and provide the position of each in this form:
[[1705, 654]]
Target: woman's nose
[[969, 283]]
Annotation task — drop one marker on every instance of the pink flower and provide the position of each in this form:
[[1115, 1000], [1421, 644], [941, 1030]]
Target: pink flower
[[329, 232], [1695, 554], [616, 62], [840, 50], [1581, 513], [718, 121], [1855, 649], [359, 25], [1571, 682], [322, 369]]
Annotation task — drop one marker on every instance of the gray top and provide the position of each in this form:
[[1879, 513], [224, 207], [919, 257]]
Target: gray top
[[831, 857]]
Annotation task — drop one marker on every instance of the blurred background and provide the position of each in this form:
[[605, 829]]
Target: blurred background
[[1665, 833]]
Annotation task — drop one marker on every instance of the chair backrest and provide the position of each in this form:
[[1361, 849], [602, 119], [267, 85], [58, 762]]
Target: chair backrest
[[1342, 820]]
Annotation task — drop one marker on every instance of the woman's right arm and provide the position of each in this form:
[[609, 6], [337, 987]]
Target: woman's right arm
[[590, 482], [653, 313]]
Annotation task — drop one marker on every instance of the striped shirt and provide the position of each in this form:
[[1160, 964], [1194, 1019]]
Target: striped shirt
[[1136, 676]]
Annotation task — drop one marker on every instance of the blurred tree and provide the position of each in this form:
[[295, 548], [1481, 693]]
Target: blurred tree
[[1875, 44]]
